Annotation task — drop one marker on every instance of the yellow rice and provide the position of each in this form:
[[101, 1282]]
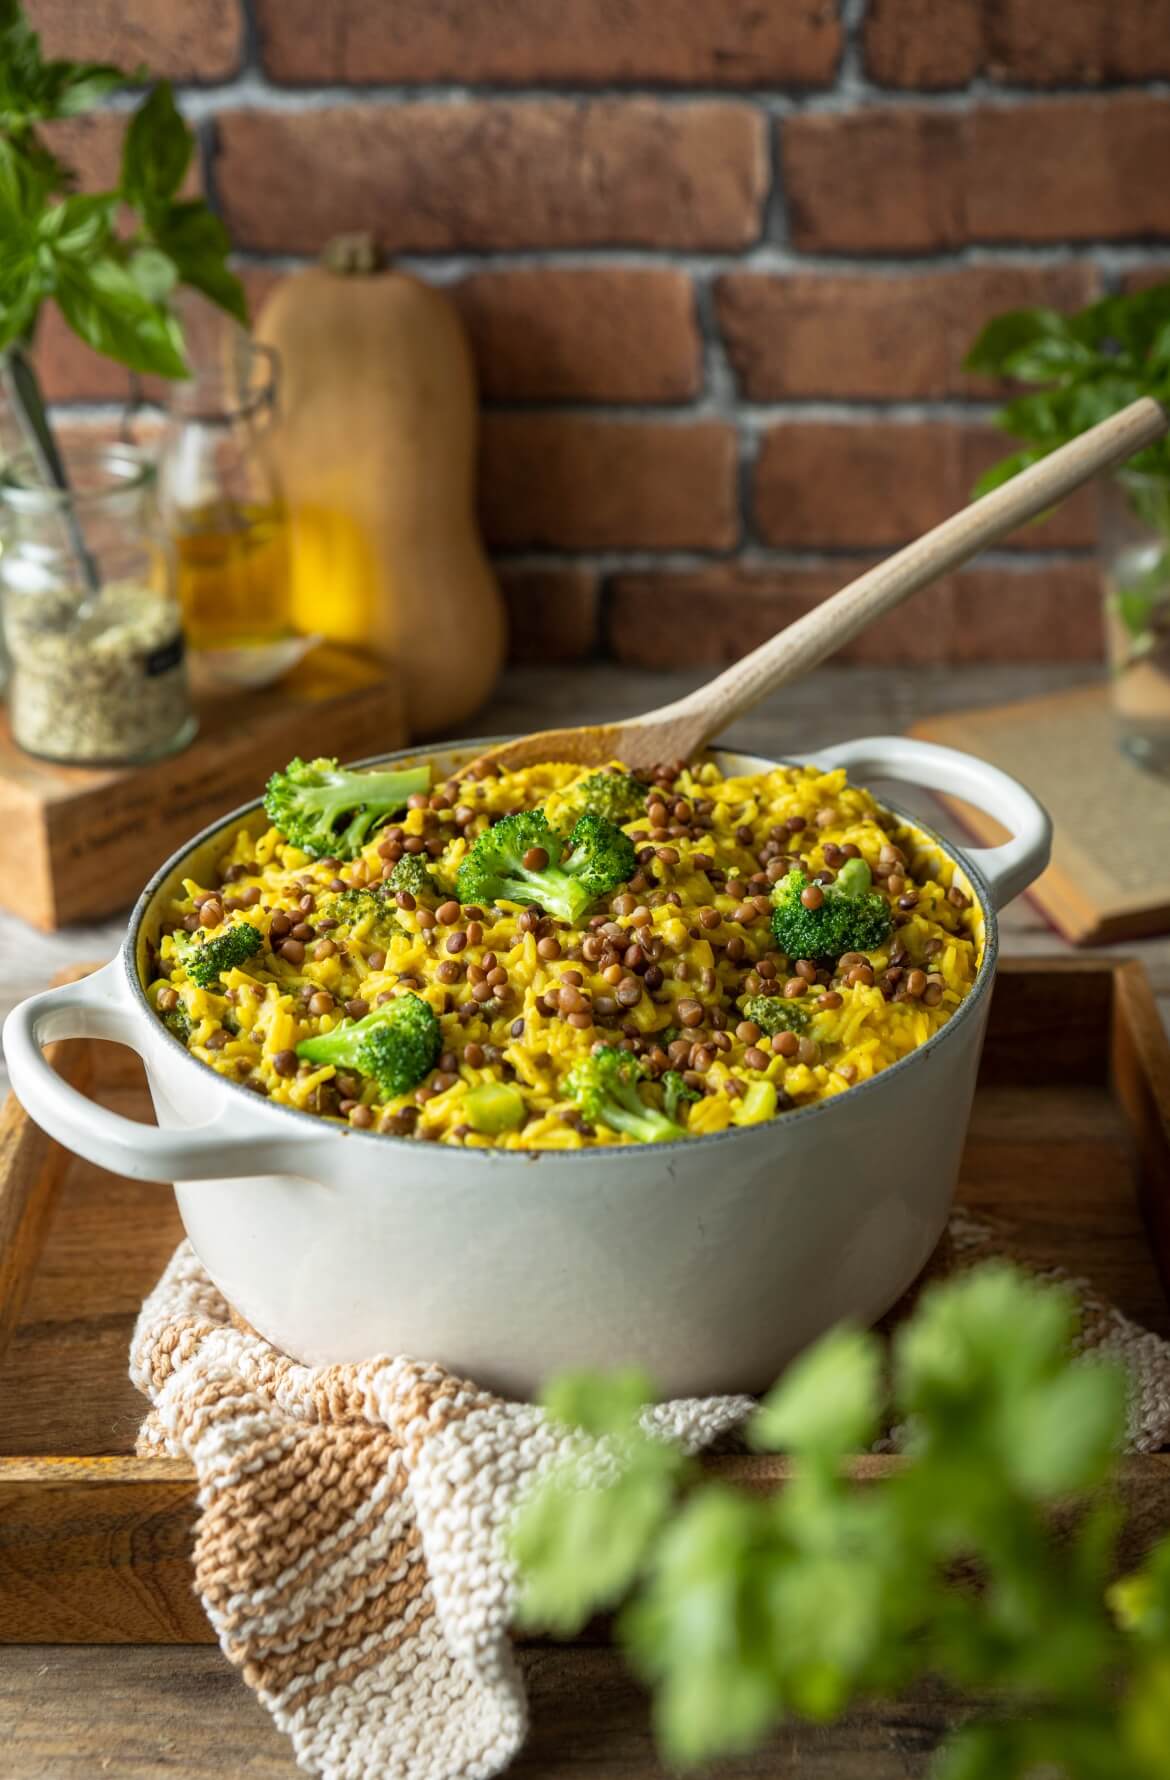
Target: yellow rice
[[261, 1010]]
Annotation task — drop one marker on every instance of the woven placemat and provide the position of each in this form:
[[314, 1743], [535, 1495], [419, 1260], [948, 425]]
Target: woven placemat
[[351, 1548]]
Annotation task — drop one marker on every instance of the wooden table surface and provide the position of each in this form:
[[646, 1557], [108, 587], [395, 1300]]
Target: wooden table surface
[[76, 1713]]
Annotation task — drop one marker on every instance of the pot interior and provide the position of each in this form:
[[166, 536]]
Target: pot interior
[[199, 860]]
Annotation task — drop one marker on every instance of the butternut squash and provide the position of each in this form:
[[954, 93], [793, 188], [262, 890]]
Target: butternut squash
[[376, 446]]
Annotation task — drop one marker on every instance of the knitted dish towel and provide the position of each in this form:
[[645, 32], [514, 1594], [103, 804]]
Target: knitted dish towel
[[350, 1550]]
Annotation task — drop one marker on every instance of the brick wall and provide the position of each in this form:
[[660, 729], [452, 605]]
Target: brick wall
[[719, 260]]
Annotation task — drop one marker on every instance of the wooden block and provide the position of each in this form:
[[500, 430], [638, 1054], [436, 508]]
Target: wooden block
[[80, 842], [1110, 872]]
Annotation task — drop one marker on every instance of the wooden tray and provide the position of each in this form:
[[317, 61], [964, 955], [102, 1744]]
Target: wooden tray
[[1069, 1141], [80, 842], [1110, 873]]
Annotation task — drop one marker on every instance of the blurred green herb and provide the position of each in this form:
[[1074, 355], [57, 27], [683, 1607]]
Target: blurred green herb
[[741, 1610], [110, 260], [1089, 365]]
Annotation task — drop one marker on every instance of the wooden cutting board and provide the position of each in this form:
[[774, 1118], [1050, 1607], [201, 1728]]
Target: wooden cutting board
[[80, 842], [1110, 872]]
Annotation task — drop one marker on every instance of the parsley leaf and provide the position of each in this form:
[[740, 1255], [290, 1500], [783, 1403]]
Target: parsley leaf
[[741, 1609]]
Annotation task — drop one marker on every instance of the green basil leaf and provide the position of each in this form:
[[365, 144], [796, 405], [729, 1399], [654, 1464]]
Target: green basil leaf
[[599, 1402], [22, 190], [196, 240], [1132, 322], [33, 89], [156, 152], [80, 225], [1055, 356], [1052, 416], [1010, 333], [1159, 353], [102, 303], [79, 86], [22, 291], [154, 272], [826, 1404]]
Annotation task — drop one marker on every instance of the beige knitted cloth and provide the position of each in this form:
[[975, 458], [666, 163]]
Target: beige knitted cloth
[[350, 1549]]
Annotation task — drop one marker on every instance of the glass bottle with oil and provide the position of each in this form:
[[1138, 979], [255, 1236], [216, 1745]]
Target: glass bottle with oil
[[224, 514]]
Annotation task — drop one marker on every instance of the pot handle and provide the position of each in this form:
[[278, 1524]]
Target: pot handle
[[1006, 870], [98, 1006]]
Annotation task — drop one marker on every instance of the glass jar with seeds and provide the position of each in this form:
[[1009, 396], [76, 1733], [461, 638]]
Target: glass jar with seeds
[[95, 641]]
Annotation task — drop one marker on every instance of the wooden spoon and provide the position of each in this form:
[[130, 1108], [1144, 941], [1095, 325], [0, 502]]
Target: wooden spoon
[[678, 731]]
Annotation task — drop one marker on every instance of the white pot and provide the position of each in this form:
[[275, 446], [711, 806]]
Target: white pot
[[707, 1262]]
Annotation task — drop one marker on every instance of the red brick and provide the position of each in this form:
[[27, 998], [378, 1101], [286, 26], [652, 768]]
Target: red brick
[[734, 43], [605, 333], [1030, 612], [868, 180], [552, 612], [1072, 169], [914, 43], [876, 336], [719, 613], [1034, 613], [574, 483], [843, 485], [185, 39], [436, 177], [1142, 277], [914, 180]]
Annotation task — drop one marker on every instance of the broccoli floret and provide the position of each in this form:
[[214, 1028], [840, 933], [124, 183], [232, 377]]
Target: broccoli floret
[[397, 1043], [205, 959], [354, 906], [595, 859], [677, 1095], [178, 1024], [852, 917], [619, 797], [605, 1087], [329, 811], [412, 873], [773, 1014]]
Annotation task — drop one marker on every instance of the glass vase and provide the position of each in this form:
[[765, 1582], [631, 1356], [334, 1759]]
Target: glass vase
[[223, 508], [1135, 553]]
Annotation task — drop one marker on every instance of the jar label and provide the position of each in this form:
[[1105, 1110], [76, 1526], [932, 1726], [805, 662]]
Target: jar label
[[161, 661]]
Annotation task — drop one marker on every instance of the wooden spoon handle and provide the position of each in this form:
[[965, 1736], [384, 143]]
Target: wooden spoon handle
[[836, 620]]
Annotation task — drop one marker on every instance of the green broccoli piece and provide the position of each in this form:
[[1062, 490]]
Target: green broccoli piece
[[619, 797], [412, 873], [352, 907], [328, 810], [605, 1087], [397, 1044], [354, 904], [595, 859], [677, 1095], [178, 1024], [773, 1014], [853, 917], [205, 959]]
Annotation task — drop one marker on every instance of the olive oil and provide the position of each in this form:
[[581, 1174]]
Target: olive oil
[[232, 562]]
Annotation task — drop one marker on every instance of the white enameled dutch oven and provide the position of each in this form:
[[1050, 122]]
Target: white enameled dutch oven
[[708, 1262]]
